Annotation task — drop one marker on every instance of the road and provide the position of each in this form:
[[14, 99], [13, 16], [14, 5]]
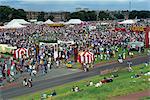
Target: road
[[49, 83]]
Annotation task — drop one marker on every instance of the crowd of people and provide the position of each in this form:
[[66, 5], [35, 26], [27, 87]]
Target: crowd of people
[[104, 43]]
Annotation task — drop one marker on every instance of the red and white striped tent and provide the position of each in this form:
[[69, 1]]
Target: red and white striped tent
[[85, 57], [20, 52]]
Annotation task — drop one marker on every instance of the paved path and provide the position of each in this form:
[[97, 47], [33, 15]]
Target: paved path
[[53, 73], [41, 85], [134, 96]]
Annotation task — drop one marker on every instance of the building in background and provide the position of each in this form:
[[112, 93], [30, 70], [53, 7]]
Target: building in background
[[58, 16]]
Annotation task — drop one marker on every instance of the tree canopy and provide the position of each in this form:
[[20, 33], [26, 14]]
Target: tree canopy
[[83, 15], [139, 14], [104, 16], [41, 16], [7, 13], [51, 17]]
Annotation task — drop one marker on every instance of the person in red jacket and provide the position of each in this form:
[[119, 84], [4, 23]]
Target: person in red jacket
[[8, 72]]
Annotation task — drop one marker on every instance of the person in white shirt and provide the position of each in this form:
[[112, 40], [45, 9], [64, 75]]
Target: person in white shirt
[[91, 83], [98, 84], [77, 89]]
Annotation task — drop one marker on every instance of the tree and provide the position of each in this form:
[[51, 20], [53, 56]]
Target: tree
[[5, 12], [83, 15], [41, 16], [18, 14], [51, 17], [139, 14], [91, 16], [119, 16], [103, 15], [67, 16]]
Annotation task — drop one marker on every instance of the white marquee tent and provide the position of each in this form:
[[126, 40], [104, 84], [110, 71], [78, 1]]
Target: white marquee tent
[[13, 25], [48, 22], [127, 22], [74, 21], [20, 21], [39, 22], [60, 22]]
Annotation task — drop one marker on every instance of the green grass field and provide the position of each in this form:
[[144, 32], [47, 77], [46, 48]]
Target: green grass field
[[121, 85], [145, 98]]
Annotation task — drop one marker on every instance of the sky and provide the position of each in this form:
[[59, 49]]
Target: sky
[[70, 5]]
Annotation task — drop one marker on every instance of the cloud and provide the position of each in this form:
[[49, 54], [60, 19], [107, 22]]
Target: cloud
[[42, 1], [70, 5], [76, 1]]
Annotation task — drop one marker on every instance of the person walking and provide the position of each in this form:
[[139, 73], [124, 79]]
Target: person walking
[[129, 66]]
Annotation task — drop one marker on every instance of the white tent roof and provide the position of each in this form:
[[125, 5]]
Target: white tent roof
[[20, 21], [127, 22], [74, 21], [61, 22], [48, 22], [92, 28], [13, 25], [104, 23], [33, 20], [40, 22]]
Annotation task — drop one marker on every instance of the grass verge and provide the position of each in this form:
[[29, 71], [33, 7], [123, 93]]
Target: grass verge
[[122, 85]]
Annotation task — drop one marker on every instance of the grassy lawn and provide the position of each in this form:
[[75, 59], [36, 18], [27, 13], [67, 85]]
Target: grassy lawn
[[145, 98], [121, 85]]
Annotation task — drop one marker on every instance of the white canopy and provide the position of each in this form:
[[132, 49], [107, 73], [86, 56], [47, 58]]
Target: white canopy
[[92, 28], [20, 21], [65, 42], [13, 25], [33, 20], [48, 22], [40, 22], [61, 22], [74, 21], [104, 23], [127, 22]]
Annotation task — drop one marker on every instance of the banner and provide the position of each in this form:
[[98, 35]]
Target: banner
[[65, 42], [138, 28], [120, 29], [4, 48], [147, 37], [50, 44], [56, 25]]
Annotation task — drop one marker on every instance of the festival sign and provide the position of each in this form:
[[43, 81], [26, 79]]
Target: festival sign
[[56, 25], [120, 29], [138, 28]]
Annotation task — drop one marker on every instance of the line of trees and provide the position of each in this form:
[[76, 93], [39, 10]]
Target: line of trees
[[7, 14], [83, 15], [92, 15]]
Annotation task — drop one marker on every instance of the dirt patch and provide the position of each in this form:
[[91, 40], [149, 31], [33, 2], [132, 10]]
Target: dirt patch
[[133, 96]]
